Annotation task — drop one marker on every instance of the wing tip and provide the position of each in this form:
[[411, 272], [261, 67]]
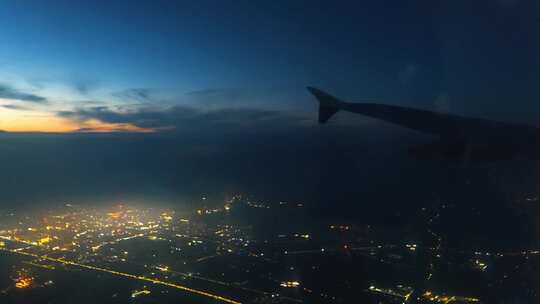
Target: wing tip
[[328, 104]]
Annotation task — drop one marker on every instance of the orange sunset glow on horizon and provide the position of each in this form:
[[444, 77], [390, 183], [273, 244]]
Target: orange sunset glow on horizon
[[35, 121]]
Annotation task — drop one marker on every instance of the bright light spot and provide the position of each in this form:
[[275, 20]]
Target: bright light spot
[[24, 282], [290, 284], [137, 293]]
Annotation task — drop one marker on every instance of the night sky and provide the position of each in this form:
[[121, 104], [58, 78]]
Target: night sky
[[209, 97]]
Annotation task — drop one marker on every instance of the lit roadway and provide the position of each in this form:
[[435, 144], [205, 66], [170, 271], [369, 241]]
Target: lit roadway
[[126, 275]]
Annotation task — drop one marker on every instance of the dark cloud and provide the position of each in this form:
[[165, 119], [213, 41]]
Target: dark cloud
[[83, 130], [8, 92], [182, 117], [15, 107], [143, 95], [146, 118], [93, 130]]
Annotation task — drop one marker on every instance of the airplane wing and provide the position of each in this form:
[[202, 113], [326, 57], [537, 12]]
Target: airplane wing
[[444, 125]]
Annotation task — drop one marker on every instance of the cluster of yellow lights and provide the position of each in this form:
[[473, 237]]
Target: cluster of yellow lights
[[163, 268], [166, 217], [140, 292], [447, 299], [480, 265], [115, 215], [24, 282], [290, 284], [44, 240], [428, 295]]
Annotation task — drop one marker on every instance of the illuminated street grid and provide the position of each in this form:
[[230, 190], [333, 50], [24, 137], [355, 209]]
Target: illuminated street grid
[[81, 233], [124, 241], [122, 274]]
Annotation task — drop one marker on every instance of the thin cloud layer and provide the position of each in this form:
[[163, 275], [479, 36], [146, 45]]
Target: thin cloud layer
[[7, 92], [142, 95], [182, 117], [15, 107]]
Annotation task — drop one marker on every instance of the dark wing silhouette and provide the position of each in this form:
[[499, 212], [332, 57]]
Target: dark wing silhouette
[[446, 126]]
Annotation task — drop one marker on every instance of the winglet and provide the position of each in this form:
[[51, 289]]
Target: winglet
[[328, 104]]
